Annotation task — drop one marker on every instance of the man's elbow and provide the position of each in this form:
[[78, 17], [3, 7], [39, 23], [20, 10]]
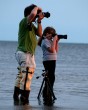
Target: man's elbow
[[39, 34]]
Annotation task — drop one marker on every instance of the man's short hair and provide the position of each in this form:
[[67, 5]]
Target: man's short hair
[[28, 9]]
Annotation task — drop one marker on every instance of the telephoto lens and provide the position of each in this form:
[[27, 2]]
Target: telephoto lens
[[60, 36]]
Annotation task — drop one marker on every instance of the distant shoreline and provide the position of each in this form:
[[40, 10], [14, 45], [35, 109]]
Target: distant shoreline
[[59, 42]]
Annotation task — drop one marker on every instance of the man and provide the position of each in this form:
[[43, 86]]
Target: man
[[25, 51]]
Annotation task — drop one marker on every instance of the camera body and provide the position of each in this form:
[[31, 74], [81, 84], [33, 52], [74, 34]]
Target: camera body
[[61, 36], [46, 14]]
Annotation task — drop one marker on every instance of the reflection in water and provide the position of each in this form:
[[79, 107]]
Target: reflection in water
[[28, 107]]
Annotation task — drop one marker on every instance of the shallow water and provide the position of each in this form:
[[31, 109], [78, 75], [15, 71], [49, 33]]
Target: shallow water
[[71, 84]]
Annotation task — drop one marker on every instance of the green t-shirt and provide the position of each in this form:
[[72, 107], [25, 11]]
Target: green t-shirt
[[27, 40]]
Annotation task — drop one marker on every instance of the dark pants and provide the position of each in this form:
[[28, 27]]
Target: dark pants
[[50, 67]]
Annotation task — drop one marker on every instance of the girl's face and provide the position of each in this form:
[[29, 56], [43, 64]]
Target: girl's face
[[48, 36]]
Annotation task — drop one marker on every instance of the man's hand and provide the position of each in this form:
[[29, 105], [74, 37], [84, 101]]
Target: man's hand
[[41, 16]]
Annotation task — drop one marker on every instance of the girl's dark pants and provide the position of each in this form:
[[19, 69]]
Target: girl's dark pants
[[50, 67]]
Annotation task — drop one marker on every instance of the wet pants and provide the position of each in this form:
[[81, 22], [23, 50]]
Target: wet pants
[[26, 70]]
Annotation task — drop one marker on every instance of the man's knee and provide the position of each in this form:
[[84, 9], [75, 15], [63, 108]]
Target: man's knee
[[27, 74], [18, 78]]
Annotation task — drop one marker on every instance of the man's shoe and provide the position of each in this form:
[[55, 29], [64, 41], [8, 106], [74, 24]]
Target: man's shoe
[[24, 98]]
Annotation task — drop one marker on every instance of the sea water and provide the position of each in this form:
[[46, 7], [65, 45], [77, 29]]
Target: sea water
[[71, 76]]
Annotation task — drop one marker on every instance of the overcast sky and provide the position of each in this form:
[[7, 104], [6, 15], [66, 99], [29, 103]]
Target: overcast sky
[[67, 17]]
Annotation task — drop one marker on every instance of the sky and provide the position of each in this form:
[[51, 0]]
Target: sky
[[66, 16]]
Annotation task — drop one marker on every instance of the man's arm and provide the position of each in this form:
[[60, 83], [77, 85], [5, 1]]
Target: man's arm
[[33, 14], [39, 25], [39, 30], [32, 17], [40, 41]]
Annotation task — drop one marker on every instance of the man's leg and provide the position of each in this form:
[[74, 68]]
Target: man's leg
[[25, 84], [17, 86], [25, 60]]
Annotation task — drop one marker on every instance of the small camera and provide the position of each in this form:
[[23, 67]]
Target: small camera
[[46, 14]]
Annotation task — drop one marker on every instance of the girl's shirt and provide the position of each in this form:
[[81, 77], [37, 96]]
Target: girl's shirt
[[46, 54]]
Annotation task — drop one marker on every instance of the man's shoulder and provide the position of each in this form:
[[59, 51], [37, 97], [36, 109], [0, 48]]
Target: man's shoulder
[[23, 20]]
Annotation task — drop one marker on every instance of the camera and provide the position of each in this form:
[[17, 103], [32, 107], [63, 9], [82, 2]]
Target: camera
[[46, 14], [60, 36]]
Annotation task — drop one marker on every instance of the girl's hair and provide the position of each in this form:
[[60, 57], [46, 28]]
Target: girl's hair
[[49, 30], [28, 9]]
